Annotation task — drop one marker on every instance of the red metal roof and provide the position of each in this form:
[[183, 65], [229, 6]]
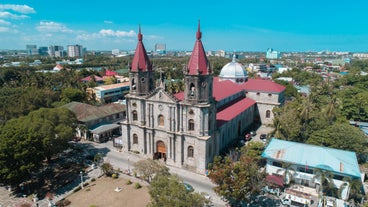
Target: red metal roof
[[233, 110], [224, 88], [110, 73], [277, 180], [198, 63], [140, 60], [262, 86], [89, 78]]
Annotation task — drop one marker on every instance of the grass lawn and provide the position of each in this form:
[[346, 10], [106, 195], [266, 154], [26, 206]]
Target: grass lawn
[[101, 193]]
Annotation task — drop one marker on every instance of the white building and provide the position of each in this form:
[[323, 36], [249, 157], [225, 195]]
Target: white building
[[75, 51]]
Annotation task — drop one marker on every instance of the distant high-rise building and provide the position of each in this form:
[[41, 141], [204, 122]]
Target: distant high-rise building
[[272, 54], [75, 51], [160, 48], [43, 50], [32, 49], [56, 51]]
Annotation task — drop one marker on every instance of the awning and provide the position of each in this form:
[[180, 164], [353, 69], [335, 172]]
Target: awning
[[274, 179]]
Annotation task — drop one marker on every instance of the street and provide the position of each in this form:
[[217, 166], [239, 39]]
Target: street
[[125, 161]]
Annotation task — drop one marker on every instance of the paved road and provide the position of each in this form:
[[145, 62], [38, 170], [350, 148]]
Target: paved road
[[125, 160]]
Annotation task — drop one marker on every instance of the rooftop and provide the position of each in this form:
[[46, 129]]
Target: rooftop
[[335, 160]]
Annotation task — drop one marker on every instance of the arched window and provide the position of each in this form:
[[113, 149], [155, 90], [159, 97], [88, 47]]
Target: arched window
[[135, 139], [135, 115], [190, 151], [133, 84], [161, 120], [192, 89], [268, 114], [191, 125]]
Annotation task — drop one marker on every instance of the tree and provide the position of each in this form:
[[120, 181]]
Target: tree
[[341, 136], [149, 168], [72, 94], [325, 179], [354, 189], [253, 150], [107, 169], [287, 172], [237, 181], [26, 141], [168, 191]]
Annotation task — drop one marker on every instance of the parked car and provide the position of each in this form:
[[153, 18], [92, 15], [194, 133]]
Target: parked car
[[263, 136], [253, 133], [248, 137], [188, 187], [286, 201]]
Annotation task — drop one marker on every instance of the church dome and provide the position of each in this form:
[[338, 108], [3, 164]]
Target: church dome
[[234, 71]]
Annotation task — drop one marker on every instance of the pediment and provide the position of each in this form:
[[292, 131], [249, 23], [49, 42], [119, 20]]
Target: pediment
[[162, 96]]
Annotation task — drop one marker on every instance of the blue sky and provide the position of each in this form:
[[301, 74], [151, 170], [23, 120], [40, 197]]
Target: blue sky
[[238, 25]]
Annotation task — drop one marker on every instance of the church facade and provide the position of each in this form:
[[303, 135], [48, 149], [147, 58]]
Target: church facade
[[189, 128]]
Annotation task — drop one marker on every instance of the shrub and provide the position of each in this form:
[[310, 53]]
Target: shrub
[[93, 179], [129, 182], [77, 189], [92, 205], [114, 175], [137, 186]]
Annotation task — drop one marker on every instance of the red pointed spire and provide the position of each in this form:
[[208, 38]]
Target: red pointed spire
[[199, 33], [140, 36], [140, 60], [198, 63]]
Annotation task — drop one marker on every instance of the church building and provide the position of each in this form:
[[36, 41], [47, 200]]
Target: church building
[[188, 129]]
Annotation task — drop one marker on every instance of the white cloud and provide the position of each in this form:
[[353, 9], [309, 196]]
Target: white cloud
[[8, 15], [117, 33], [46, 26], [23, 9], [4, 29], [3, 22]]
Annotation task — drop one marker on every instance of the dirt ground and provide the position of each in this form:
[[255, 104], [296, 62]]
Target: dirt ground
[[101, 193]]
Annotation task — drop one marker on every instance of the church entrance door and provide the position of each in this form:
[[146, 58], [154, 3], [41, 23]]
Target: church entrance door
[[160, 150]]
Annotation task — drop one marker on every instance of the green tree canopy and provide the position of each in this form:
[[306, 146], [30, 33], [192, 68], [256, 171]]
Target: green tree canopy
[[168, 191], [340, 136], [237, 181], [26, 141]]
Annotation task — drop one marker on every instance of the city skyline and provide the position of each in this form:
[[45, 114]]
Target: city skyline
[[235, 26]]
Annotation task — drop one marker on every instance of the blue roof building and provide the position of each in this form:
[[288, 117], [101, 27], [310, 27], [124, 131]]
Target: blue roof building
[[305, 158]]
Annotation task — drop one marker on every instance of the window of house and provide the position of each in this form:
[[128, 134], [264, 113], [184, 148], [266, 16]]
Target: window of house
[[135, 139], [190, 151], [258, 93], [191, 125], [135, 115], [305, 169], [161, 120], [268, 114], [269, 94], [277, 164]]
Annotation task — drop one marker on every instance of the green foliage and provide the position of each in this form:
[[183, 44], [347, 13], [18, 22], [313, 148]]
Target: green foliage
[[237, 180], [26, 141], [114, 176], [149, 168], [137, 185], [168, 191], [253, 150], [72, 94], [129, 182], [340, 136], [107, 169]]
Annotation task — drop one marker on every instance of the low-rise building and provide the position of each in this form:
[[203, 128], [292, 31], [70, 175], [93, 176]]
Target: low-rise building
[[109, 93], [304, 161], [97, 123]]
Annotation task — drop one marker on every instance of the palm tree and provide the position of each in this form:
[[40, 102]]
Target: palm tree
[[354, 189], [277, 128], [287, 172], [325, 179]]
